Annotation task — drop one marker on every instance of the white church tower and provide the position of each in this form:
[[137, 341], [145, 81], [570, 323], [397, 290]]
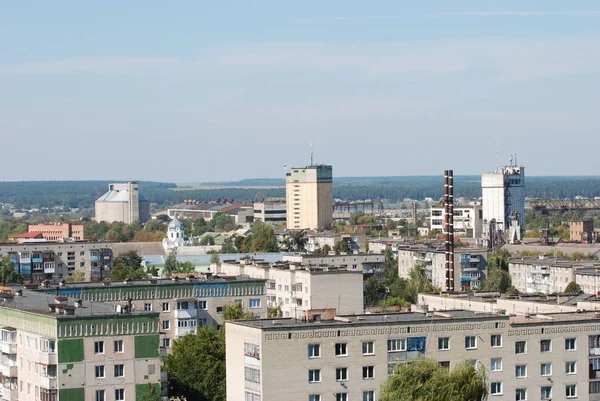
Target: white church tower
[[175, 235]]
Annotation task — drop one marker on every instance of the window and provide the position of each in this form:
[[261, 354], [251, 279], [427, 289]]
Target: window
[[368, 396], [341, 374], [443, 343], [496, 340], [521, 394], [545, 345], [202, 305], [368, 348], [314, 375], [166, 342], [595, 387], [314, 397], [119, 394], [496, 364], [165, 307], [99, 347], [546, 393], [119, 370], [341, 349], [341, 397], [166, 324], [314, 350], [248, 396], [444, 364], [252, 375], [396, 345], [521, 347], [571, 367], [254, 303], [99, 371], [181, 305], [118, 346], [471, 342], [571, 391], [496, 388], [100, 395], [368, 372], [521, 371], [148, 307], [570, 344], [546, 369], [393, 369]]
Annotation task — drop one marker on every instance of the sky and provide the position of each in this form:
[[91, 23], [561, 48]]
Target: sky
[[198, 91]]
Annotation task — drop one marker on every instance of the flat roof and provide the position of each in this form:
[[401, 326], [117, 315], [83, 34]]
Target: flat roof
[[554, 262], [375, 318], [38, 302], [159, 281]]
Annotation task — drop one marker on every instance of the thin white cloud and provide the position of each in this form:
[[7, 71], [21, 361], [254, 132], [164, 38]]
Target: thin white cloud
[[88, 65], [513, 13]]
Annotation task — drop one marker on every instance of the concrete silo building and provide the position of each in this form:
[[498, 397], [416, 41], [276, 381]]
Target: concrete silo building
[[123, 203]]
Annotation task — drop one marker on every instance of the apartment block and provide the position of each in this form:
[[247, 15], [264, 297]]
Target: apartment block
[[59, 260], [181, 305], [472, 263], [58, 231], [468, 220], [545, 357], [53, 349], [298, 289], [271, 211], [550, 275], [309, 197], [365, 262], [357, 242]]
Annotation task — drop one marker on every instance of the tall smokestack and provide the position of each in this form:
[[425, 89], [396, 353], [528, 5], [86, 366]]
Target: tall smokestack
[[451, 226]]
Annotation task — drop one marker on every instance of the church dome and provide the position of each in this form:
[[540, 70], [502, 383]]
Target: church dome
[[175, 224]]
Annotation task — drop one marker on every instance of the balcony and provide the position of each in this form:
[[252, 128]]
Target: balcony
[[182, 331], [10, 390], [8, 348], [8, 371], [186, 313], [37, 260], [594, 351], [48, 382], [48, 359]]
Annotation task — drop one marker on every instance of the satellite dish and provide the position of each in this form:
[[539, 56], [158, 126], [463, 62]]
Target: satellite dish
[[119, 309]]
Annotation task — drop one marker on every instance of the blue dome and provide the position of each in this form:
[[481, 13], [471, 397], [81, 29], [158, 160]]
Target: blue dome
[[175, 224]]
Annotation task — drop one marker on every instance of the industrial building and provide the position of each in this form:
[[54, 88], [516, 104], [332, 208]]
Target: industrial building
[[582, 231], [503, 197], [241, 214], [54, 348], [538, 357], [271, 211], [123, 203], [59, 260], [309, 197], [58, 231], [298, 289], [468, 220], [471, 263], [181, 305]]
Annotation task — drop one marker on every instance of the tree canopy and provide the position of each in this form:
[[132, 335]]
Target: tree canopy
[[173, 266], [128, 266], [425, 380], [573, 288], [497, 280], [8, 274]]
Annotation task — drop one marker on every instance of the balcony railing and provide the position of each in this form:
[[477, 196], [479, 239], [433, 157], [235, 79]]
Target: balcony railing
[[185, 313], [48, 359], [595, 351], [48, 382], [182, 331], [9, 371], [8, 348]]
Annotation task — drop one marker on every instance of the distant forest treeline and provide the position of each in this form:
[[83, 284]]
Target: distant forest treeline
[[82, 194]]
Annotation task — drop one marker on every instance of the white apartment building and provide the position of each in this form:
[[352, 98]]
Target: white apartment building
[[468, 220], [470, 265], [298, 289], [365, 262], [549, 275], [309, 197], [271, 211], [542, 357], [503, 196]]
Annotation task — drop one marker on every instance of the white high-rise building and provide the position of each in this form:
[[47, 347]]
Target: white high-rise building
[[309, 197], [503, 196]]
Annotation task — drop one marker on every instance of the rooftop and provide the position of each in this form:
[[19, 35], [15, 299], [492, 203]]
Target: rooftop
[[26, 235], [554, 262], [46, 304]]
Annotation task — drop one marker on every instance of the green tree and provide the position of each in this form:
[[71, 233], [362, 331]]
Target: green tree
[[214, 257], [222, 221], [76, 277], [499, 259], [425, 380], [128, 266], [173, 266], [207, 240], [297, 241], [263, 238], [375, 291], [150, 393], [228, 246], [354, 216], [497, 280], [573, 288], [391, 224], [8, 274], [417, 282], [274, 311], [366, 219], [196, 365], [341, 247], [234, 311], [512, 290], [325, 249]]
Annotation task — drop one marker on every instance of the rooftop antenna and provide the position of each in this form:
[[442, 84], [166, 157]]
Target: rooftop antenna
[[516, 164], [496, 149], [311, 154]]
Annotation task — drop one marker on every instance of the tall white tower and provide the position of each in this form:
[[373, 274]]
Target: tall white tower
[[503, 195]]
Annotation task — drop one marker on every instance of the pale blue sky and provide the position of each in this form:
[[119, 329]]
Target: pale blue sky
[[205, 91]]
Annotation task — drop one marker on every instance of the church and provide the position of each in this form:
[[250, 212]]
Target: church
[[175, 235]]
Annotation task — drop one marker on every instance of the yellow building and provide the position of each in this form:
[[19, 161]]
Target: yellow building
[[309, 197]]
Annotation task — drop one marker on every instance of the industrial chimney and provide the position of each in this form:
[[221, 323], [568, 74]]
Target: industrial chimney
[[449, 227]]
